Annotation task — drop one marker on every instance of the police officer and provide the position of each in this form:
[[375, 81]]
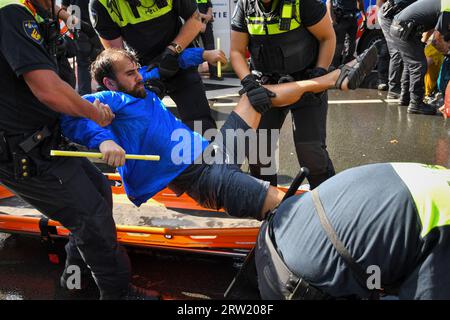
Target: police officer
[[71, 191], [370, 230], [88, 43], [153, 28], [406, 31], [207, 35], [343, 14], [398, 79], [288, 40]]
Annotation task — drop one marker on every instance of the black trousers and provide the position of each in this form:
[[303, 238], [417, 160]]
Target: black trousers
[[345, 27], [208, 43], [309, 117], [187, 91], [88, 49], [398, 74], [75, 193], [415, 62]]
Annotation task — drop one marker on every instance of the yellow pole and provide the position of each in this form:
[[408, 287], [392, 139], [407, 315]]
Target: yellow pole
[[219, 64], [98, 155]]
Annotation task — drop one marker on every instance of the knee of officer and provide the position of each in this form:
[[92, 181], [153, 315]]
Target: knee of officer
[[314, 156]]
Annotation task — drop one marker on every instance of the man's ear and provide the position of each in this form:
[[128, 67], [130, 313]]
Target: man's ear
[[110, 84]]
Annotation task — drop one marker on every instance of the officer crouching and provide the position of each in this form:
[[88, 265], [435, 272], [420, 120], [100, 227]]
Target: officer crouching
[[71, 191]]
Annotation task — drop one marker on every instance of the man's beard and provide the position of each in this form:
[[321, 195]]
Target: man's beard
[[137, 92]]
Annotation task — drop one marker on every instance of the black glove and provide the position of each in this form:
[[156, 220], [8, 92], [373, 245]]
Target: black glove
[[168, 66], [258, 96], [157, 86], [310, 98], [87, 29]]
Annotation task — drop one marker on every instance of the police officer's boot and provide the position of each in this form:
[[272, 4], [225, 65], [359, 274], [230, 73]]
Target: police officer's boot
[[421, 108]]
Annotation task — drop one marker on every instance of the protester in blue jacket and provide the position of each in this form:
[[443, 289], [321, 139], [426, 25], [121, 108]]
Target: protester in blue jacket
[[209, 173]]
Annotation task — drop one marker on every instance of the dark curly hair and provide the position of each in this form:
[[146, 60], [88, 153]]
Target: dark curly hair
[[102, 67]]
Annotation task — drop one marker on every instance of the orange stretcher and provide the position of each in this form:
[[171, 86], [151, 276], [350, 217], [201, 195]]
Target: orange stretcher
[[221, 241]]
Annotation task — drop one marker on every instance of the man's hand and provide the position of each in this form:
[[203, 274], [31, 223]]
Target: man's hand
[[103, 115], [112, 153], [203, 29], [168, 66], [214, 56], [259, 97]]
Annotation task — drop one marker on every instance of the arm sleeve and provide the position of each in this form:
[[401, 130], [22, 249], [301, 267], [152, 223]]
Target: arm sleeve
[[190, 57], [102, 22], [312, 11], [238, 22], [84, 131], [443, 25], [185, 8], [21, 43]]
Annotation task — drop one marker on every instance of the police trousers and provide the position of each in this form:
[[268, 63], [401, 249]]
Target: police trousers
[[415, 62], [208, 43], [398, 79], [347, 26], [75, 193], [309, 119], [187, 91]]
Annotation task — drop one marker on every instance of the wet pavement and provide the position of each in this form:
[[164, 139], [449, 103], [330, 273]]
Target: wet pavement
[[363, 127]]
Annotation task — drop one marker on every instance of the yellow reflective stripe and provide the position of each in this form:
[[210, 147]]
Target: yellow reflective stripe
[[4, 3], [286, 11], [202, 1], [272, 26], [259, 29], [445, 5], [147, 11], [430, 189]]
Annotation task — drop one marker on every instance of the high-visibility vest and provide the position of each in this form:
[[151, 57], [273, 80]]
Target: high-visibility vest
[[24, 3], [202, 1], [274, 50], [430, 188], [122, 13]]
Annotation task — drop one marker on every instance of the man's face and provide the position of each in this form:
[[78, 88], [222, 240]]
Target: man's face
[[128, 79]]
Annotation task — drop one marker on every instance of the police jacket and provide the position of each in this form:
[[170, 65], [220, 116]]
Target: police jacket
[[148, 26], [278, 39]]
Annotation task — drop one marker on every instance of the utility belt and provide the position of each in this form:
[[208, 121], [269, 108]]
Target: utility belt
[[286, 284], [406, 30], [272, 78], [24, 150], [390, 9]]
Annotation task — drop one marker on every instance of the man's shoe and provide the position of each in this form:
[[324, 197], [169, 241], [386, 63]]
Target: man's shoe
[[403, 102], [138, 293], [421, 108], [393, 95], [382, 87]]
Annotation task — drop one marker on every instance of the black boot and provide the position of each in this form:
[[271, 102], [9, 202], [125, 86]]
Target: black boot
[[421, 108]]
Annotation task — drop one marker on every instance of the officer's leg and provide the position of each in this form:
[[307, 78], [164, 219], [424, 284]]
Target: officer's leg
[[83, 63], [413, 53], [309, 132], [395, 62], [271, 120], [431, 278], [188, 92], [208, 43], [351, 30], [340, 41], [65, 193]]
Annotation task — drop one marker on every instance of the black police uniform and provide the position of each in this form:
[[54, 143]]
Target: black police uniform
[[149, 29], [207, 36], [309, 114], [345, 12], [89, 46], [398, 76], [71, 191], [406, 31]]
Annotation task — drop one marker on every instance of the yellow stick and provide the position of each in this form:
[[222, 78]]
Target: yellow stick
[[219, 64], [98, 155]]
